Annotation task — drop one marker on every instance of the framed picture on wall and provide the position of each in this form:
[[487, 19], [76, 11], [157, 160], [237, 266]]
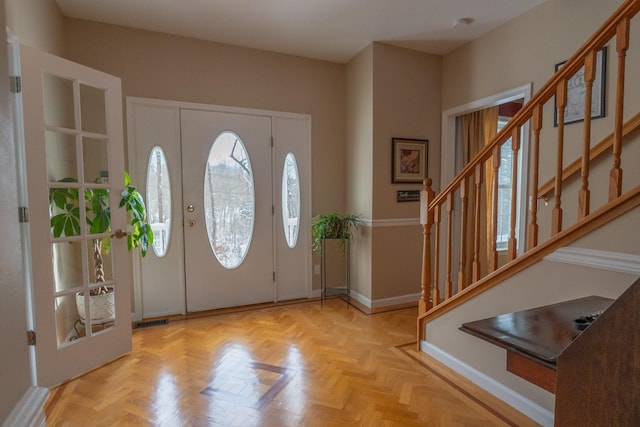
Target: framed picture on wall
[[576, 89], [409, 160]]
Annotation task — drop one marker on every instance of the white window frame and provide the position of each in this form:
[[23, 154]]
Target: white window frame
[[503, 244], [448, 149]]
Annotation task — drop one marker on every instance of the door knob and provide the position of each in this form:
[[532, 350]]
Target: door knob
[[190, 208], [119, 234]]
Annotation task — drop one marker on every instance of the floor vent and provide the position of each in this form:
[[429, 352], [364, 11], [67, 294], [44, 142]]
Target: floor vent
[[146, 324]]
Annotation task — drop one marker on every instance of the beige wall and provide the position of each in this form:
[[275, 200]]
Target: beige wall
[[391, 92], [156, 65], [407, 97], [38, 23], [359, 161], [359, 131], [383, 92], [162, 66], [406, 104], [524, 50]]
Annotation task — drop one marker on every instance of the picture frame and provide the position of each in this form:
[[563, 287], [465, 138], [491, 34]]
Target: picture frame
[[408, 160], [576, 88]]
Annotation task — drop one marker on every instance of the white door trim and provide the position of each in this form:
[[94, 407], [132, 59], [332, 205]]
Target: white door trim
[[23, 194], [448, 148], [305, 176], [212, 107]]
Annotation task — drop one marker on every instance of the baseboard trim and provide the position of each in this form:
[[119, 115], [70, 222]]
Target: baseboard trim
[[361, 298], [29, 411], [499, 390], [402, 299], [603, 260], [384, 302]]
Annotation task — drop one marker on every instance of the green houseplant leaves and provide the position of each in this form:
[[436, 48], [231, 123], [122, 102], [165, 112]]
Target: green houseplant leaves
[[64, 203], [333, 226], [141, 234]]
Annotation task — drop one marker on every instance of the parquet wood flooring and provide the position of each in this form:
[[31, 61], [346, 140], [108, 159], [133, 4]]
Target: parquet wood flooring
[[288, 365]]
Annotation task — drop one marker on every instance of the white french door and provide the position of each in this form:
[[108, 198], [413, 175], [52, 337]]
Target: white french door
[[236, 210], [74, 149]]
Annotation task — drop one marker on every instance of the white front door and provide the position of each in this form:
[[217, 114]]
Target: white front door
[[171, 143], [228, 209], [74, 150]]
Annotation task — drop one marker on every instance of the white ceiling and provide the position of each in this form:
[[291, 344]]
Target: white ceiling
[[333, 30]]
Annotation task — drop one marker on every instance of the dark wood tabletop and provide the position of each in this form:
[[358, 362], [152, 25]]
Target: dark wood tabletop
[[542, 332]]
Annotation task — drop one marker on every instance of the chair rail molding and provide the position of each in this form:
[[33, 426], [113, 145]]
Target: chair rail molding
[[393, 222], [594, 258]]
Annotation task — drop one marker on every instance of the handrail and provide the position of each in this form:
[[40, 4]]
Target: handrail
[[595, 43], [439, 288], [598, 150], [614, 209]]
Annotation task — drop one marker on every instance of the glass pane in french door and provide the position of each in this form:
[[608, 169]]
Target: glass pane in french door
[[79, 209]]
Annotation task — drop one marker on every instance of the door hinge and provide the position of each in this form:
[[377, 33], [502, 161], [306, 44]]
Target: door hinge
[[31, 337], [274, 276], [15, 83], [272, 142], [23, 214], [273, 210]]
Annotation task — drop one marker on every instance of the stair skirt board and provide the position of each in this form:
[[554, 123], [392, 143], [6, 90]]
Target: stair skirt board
[[507, 395], [29, 411]]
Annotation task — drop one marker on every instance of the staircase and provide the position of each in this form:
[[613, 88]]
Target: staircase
[[568, 198]]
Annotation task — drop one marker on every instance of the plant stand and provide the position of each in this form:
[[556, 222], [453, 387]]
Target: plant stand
[[341, 291]]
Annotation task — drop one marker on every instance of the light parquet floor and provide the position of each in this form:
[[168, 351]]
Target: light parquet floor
[[289, 365]]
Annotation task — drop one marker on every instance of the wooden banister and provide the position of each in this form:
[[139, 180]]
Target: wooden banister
[[596, 42], [476, 193], [598, 218], [596, 152]]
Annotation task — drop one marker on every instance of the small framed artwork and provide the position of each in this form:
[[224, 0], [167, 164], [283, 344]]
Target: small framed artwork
[[409, 160], [576, 89]]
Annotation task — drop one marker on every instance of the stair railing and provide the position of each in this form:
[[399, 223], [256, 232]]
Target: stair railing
[[442, 288]]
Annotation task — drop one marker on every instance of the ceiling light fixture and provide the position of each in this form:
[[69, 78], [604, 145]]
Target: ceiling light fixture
[[462, 22]]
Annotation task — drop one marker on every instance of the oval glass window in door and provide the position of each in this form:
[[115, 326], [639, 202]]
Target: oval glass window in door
[[290, 200], [159, 200], [229, 200]]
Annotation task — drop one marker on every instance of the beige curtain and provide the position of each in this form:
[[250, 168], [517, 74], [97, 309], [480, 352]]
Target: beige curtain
[[477, 130]]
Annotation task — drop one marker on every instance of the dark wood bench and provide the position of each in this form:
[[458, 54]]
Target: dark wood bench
[[594, 372], [535, 338]]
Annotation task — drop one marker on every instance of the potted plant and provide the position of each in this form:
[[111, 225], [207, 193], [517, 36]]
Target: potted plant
[[333, 226], [65, 221]]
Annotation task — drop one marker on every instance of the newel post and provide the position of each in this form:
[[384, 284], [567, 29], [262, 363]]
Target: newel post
[[426, 219]]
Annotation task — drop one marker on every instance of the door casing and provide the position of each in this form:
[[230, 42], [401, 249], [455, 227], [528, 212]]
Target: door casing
[[291, 133]]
